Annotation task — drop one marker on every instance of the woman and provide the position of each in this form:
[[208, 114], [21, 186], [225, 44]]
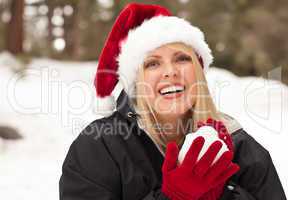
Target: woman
[[160, 61]]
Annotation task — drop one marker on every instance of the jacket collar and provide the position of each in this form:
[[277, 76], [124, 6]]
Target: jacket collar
[[125, 107]]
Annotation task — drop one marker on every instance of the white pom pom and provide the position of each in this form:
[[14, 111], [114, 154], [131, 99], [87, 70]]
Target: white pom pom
[[105, 106], [210, 135]]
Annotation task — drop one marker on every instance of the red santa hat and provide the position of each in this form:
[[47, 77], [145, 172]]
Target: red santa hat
[[138, 29]]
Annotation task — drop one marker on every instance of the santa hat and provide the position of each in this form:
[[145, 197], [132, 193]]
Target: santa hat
[[138, 29]]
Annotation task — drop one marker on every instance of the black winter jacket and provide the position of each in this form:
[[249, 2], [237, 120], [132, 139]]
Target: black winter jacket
[[114, 159]]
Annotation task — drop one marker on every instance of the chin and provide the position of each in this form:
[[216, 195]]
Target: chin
[[172, 110]]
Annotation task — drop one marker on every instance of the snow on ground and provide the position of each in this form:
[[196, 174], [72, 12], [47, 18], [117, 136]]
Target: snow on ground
[[56, 100], [260, 106], [49, 107]]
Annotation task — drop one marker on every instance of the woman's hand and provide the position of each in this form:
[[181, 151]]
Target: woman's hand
[[223, 133], [216, 192], [191, 179]]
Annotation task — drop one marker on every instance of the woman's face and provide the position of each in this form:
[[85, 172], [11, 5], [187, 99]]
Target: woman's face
[[169, 81]]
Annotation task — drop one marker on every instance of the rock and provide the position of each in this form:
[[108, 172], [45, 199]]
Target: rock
[[9, 133]]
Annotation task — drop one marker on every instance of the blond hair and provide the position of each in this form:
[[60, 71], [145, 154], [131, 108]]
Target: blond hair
[[203, 108]]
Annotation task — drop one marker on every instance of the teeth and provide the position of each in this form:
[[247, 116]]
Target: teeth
[[171, 89]]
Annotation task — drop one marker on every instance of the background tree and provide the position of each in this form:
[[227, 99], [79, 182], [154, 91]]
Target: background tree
[[15, 31], [246, 37]]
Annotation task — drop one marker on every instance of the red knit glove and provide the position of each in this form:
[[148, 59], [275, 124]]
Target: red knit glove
[[221, 129], [191, 179], [215, 193]]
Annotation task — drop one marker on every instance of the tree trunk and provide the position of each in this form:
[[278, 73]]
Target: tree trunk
[[15, 29], [77, 36], [72, 32]]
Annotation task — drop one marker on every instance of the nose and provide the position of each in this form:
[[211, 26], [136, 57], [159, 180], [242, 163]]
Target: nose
[[170, 71]]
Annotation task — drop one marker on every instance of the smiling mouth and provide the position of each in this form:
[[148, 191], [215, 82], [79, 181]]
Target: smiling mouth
[[171, 90]]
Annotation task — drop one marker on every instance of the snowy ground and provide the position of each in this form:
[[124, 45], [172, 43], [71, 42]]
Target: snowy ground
[[55, 100]]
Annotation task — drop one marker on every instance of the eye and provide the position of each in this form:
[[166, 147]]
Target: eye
[[151, 64], [183, 58]]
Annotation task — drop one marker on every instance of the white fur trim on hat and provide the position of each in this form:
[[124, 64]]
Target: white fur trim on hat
[[152, 34], [105, 106]]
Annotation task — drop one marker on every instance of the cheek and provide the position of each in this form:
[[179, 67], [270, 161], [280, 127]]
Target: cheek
[[188, 74], [192, 85], [149, 85]]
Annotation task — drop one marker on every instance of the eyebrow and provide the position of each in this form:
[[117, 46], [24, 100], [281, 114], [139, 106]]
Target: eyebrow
[[157, 56]]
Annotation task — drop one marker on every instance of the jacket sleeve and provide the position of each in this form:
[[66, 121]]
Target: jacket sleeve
[[235, 192], [89, 172], [257, 178], [156, 195]]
